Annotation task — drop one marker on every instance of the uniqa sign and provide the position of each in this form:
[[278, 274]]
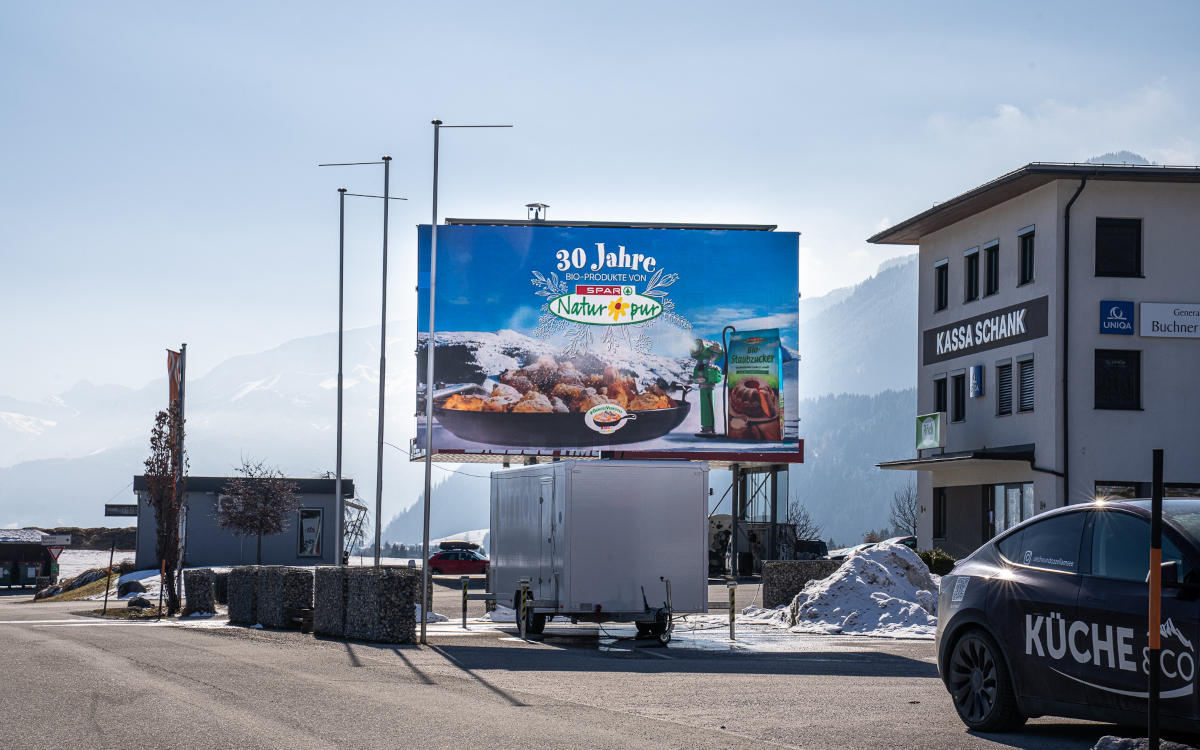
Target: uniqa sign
[[601, 305], [1116, 318]]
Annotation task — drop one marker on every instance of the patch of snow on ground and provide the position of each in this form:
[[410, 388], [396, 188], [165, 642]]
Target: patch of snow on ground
[[72, 562], [433, 616], [369, 560], [884, 591], [500, 614]]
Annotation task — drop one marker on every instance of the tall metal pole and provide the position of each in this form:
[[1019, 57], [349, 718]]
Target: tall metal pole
[[179, 476], [387, 165], [429, 349], [339, 503], [1156, 503]]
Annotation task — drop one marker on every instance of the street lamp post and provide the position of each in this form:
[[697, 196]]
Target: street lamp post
[[386, 162], [429, 351], [340, 509]]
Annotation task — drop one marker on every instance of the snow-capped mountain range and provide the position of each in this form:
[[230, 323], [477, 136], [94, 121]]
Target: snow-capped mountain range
[[63, 458]]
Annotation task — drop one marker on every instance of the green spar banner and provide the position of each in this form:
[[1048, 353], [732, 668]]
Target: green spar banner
[[929, 431]]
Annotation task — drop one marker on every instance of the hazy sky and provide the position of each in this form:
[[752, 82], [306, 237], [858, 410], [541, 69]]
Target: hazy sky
[[158, 178]]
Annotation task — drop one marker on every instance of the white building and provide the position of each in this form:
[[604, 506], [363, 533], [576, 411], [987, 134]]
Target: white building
[[1059, 312]]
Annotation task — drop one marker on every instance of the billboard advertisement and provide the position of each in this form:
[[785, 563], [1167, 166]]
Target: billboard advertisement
[[610, 338]]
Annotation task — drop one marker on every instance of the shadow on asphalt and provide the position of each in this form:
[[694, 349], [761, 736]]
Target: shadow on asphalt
[[1037, 735], [617, 657], [17, 591]]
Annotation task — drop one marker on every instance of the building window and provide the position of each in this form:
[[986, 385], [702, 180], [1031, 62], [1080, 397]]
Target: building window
[[1118, 379], [1026, 385], [971, 280], [939, 513], [991, 269], [1004, 389], [1025, 256], [1118, 490], [941, 293], [939, 393], [960, 398], [1119, 247]]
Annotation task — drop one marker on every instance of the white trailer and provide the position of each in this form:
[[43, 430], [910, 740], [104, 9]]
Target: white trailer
[[602, 541]]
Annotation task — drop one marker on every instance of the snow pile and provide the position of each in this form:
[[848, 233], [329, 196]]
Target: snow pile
[[72, 562], [433, 616], [883, 591], [779, 616], [500, 614]]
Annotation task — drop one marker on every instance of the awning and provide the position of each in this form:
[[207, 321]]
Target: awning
[[965, 459]]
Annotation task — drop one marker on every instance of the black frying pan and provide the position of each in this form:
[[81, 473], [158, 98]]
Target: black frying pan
[[555, 429]]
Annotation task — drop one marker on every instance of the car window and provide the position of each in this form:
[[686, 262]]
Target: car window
[[1121, 548], [1052, 544]]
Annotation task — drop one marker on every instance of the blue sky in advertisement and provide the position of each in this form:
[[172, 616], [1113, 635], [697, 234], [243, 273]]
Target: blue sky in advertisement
[[744, 278]]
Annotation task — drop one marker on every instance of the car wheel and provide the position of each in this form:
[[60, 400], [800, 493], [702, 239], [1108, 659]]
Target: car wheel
[[435, 571], [981, 686]]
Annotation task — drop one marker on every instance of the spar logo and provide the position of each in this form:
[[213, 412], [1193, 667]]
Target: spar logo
[[1116, 318], [1104, 647]]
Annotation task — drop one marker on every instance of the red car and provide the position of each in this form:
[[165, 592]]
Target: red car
[[458, 563]]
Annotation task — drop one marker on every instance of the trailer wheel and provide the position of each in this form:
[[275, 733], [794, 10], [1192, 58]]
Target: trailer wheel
[[536, 623], [664, 637]]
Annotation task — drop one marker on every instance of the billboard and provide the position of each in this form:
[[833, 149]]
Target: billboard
[[610, 338]]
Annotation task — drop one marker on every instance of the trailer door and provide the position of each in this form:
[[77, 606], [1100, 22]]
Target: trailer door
[[546, 525]]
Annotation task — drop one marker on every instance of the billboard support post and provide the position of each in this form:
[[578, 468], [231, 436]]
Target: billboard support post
[[429, 354]]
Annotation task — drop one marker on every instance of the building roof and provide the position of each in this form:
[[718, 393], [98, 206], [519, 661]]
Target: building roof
[[217, 484], [964, 459], [613, 225], [20, 536], [1018, 182]]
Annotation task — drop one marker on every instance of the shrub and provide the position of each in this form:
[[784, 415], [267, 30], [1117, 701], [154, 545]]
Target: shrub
[[939, 562]]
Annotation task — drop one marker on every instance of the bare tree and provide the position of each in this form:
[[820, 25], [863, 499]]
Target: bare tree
[[257, 502], [875, 536], [798, 515], [905, 510], [165, 495]]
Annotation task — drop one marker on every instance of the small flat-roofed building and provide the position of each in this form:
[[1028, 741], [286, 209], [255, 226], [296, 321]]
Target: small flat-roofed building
[[1059, 319], [310, 538]]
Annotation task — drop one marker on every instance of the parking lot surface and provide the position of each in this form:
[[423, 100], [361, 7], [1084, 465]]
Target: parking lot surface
[[90, 683]]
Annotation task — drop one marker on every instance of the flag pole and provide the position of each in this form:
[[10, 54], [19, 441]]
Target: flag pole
[[179, 477]]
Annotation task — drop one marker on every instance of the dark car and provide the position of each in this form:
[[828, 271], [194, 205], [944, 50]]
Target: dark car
[[1050, 618], [458, 563], [907, 541]]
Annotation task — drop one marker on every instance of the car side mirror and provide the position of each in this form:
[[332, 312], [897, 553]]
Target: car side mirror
[[1170, 572]]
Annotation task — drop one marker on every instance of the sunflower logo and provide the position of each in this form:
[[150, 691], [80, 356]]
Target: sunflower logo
[[617, 308]]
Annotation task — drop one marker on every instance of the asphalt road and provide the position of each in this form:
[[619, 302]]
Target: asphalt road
[[79, 682]]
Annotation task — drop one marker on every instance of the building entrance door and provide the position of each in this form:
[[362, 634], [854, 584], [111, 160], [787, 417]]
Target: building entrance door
[[1012, 504]]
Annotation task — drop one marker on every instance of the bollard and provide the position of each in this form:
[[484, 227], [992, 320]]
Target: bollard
[[464, 580], [732, 584], [521, 607]]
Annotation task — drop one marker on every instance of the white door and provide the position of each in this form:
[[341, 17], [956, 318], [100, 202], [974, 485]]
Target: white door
[[547, 527]]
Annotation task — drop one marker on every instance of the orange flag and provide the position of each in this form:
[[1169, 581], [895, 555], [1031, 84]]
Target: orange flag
[[174, 371]]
